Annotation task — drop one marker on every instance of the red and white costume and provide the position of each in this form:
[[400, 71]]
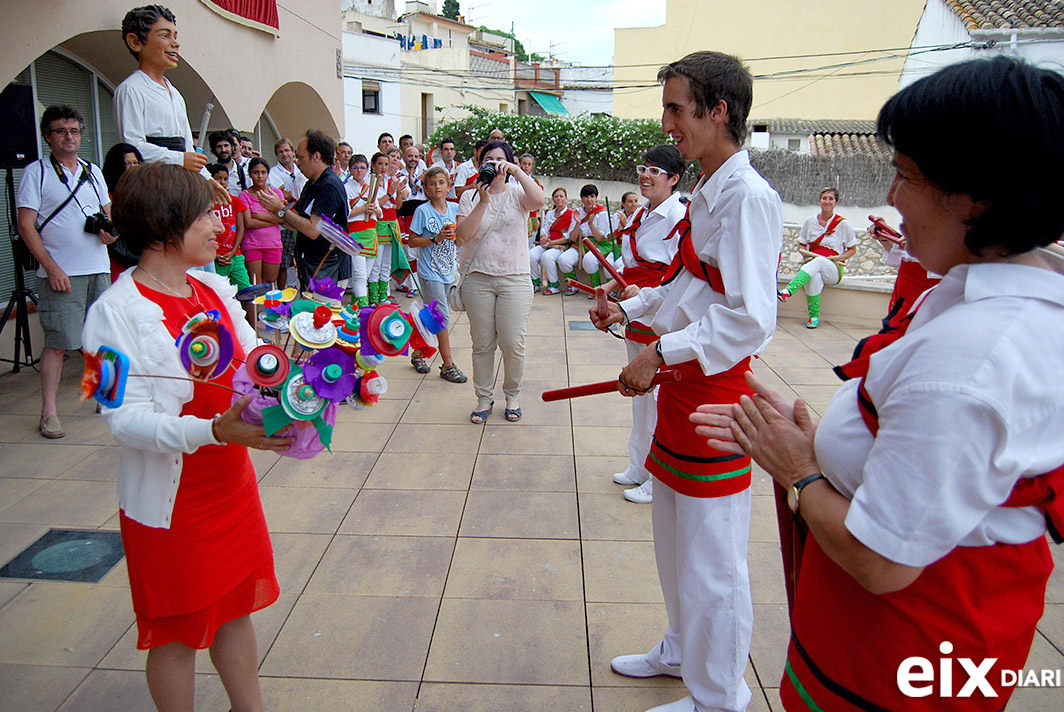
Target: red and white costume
[[646, 254], [912, 280], [826, 241], [937, 447], [597, 217], [544, 260], [715, 309]]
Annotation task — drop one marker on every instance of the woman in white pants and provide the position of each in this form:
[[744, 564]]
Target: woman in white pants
[[645, 254], [828, 240], [556, 226]]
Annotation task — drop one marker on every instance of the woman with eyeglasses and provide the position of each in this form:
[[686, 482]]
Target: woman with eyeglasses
[[927, 489], [827, 240], [645, 253]]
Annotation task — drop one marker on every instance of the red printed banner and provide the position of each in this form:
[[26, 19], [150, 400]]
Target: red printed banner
[[259, 14]]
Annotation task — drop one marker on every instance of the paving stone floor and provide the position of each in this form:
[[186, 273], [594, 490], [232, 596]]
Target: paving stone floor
[[427, 563]]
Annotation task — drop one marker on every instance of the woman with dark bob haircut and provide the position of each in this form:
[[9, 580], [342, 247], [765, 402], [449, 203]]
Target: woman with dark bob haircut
[[926, 491], [197, 549]]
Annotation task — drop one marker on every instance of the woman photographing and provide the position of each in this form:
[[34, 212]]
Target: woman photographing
[[927, 488], [197, 550], [496, 289]]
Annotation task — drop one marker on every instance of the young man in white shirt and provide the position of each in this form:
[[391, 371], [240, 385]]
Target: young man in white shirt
[[63, 217], [715, 309], [285, 174], [150, 110], [221, 143], [448, 163]]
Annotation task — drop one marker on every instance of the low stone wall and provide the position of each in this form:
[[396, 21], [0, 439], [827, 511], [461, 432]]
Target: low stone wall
[[868, 261]]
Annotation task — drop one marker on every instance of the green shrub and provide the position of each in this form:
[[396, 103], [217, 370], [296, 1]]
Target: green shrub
[[595, 147]]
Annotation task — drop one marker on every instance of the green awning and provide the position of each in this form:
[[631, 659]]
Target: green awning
[[550, 103]]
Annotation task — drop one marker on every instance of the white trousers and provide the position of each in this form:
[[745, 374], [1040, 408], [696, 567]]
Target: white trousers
[[358, 275], [591, 264], [535, 254], [821, 271], [380, 269], [567, 261], [644, 420], [550, 259], [700, 546]]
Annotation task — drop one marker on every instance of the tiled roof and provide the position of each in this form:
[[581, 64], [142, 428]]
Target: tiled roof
[[1001, 14], [815, 126], [847, 144]]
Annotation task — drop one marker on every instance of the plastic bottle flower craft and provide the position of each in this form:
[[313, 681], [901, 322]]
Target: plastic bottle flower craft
[[334, 360]]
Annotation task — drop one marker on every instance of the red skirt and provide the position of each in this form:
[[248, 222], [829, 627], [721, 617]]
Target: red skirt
[[215, 562], [847, 644], [680, 458]]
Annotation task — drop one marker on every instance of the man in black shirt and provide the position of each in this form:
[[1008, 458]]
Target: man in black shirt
[[323, 195]]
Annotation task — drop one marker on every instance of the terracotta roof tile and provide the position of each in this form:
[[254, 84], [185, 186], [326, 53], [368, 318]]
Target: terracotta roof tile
[[1002, 14]]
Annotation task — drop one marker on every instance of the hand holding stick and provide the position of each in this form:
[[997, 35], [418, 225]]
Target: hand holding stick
[[591, 389], [584, 288], [600, 303], [880, 229]]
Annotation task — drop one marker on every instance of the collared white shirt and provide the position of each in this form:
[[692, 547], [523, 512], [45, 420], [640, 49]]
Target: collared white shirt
[[145, 108], [737, 227], [464, 171], [599, 220], [413, 182], [969, 401], [840, 240], [653, 229], [75, 251], [292, 181], [238, 167]]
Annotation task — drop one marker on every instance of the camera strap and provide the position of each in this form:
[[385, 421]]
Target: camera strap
[[73, 192]]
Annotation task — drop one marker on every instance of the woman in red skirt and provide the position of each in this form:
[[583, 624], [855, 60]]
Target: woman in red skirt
[[197, 548], [929, 485]]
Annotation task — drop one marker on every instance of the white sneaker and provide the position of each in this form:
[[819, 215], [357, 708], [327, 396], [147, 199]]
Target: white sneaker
[[687, 704], [643, 494], [642, 666], [622, 478]]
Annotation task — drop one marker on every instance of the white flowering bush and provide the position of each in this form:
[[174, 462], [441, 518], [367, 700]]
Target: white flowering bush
[[594, 147]]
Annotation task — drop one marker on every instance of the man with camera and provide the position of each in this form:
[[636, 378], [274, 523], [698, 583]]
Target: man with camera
[[64, 219]]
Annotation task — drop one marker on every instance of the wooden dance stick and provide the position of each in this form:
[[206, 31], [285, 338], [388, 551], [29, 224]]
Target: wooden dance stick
[[884, 230], [600, 303], [591, 389], [605, 263], [585, 288]]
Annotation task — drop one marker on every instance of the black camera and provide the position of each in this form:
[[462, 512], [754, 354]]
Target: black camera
[[487, 174], [98, 222]]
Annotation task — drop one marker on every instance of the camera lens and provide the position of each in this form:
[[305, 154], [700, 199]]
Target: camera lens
[[487, 173]]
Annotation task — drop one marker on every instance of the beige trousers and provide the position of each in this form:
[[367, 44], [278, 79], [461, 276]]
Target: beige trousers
[[497, 308]]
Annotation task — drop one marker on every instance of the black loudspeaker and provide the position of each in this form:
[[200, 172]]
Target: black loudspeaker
[[18, 127]]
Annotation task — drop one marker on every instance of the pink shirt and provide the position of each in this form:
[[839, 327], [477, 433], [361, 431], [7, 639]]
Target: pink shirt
[[505, 250], [261, 237]]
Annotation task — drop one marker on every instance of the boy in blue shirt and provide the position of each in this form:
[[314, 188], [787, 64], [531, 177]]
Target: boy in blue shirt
[[432, 229]]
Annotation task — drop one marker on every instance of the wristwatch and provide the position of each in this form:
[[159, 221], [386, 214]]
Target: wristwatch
[[434, 238], [281, 212], [795, 491]]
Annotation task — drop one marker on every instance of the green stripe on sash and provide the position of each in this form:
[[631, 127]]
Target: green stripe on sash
[[801, 690], [700, 478]]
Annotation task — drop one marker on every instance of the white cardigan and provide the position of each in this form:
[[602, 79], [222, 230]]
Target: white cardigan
[[148, 424]]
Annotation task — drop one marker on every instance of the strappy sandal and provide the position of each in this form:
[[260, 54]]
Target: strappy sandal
[[419, 363], [512, 414], [452, 374], [479, 417]]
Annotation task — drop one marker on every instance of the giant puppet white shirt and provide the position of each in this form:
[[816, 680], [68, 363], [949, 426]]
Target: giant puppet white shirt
[[737, 227], [147, 108], [654, 227], [968, 404]]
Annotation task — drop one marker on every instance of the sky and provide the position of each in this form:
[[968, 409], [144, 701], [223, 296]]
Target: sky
[[581, 30]]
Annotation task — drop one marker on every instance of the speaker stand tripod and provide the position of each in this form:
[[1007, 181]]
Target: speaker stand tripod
[[23, 355]]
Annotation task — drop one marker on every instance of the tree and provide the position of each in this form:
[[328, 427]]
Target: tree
[[450, 9]]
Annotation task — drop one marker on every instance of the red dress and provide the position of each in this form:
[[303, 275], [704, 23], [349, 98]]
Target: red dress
[[215, 562]]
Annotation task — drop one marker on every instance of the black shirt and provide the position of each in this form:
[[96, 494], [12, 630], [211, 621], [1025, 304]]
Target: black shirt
[[324, 196]]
